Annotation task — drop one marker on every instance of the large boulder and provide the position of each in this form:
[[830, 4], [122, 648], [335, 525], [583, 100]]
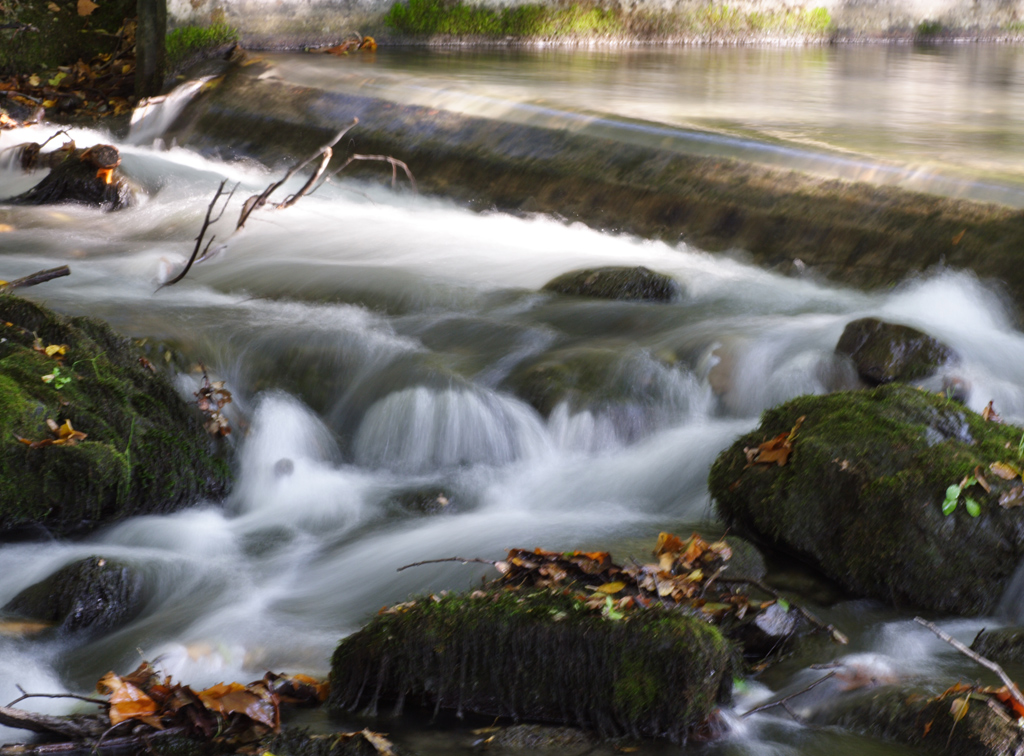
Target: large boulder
[[80, 176], [629, 284], [861, 495], [886, 352], [89, 595], [538, 655], [145, 450], [912, 717]]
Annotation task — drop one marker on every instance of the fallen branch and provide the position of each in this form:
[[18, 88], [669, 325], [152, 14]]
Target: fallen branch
[[462, 560], [259, 200], [132, 743], [202, 232], [395, 165], [838, 636], [75, 728], [784, 701], [1011, 686], [40, 276]]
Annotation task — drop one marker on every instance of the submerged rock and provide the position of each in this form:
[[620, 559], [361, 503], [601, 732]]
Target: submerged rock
[[886, 352], [85, 177], [913, 718], [862, 493], [539, 656], [145, 450], [525, 737], [630, 284], [91, 594]]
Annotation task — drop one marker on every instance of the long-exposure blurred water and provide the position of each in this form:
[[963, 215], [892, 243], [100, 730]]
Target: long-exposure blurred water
[[368, 337]]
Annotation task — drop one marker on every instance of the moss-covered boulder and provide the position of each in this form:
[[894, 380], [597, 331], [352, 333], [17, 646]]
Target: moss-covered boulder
[[541, 656], [1004, 645], [914, 718], [89, 595], [861, 496], [886, 352], [145, 450], [630, 284]]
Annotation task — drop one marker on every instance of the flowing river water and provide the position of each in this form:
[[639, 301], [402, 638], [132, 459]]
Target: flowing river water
[[368, 337]]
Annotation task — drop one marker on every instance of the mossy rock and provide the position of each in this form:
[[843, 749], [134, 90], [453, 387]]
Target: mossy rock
[[1003, 646], [429, 500], [537, 656], [43, 39], [89, 595], [629, 284], [886, 352], [913, 718], [861, 496], [145, 451]]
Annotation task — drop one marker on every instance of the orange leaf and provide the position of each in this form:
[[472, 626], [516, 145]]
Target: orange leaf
[[85, 7], [127, 701], [668, 544]]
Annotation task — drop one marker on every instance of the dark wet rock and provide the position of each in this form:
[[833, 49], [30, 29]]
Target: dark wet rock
[[861, 496], [1003, 646], [770, 634], [537, 656], [145, 449], [292, 741], [430, 501], [913, 718], [82, 177], [528, 737], [92, 594], [746, 561], [886, 352], [629, 284]]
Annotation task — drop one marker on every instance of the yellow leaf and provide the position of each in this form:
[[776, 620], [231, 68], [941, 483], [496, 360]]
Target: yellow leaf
[[85, 7], [34, 81], [53, 8], [126, 68], [613, 587], [49, 103], [959, 708], [56, 349], [1004, 470]]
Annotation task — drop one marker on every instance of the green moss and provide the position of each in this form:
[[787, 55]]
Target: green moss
[[541, 656], [50, 39], [588, 19], [145, 450], [928, 28], [861, 496], [186, 41]]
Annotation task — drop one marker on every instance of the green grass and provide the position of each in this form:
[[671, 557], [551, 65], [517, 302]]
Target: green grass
[[184, 41], [453, 17]]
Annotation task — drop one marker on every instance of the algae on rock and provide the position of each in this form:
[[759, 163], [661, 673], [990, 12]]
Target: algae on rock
[[145, 450], [622, 283], [538, 655], [861, 496]]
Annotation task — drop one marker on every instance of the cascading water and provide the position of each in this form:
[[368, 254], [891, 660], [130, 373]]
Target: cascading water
[[372, 340]]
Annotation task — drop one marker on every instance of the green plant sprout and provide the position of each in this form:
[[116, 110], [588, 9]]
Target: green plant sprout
[[56, 379], [953, 496]]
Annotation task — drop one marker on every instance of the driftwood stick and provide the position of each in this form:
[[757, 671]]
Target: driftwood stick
[[837, 635], [44, 723], [40, 276], [259, 200], [463, 560], [395, 165], [784, 701], [325, 158], [202, 232], [1011, 686]]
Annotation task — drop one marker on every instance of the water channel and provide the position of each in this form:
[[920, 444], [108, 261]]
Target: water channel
[[368, 336]]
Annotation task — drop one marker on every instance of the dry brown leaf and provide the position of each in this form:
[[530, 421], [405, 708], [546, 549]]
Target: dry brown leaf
[[381, 744], [1009, 499], [22, 628], [53, 8], [959, 708], [1004, 470], [85, 7]]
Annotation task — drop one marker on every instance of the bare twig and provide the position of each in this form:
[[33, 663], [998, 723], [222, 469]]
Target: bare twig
[[259, 200], [325, 158], [40, 276], [784, 701], [202, 231], [463, 560], [24, 695], [1011, 686], [395, 165], [837, 635], [54, 137]]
